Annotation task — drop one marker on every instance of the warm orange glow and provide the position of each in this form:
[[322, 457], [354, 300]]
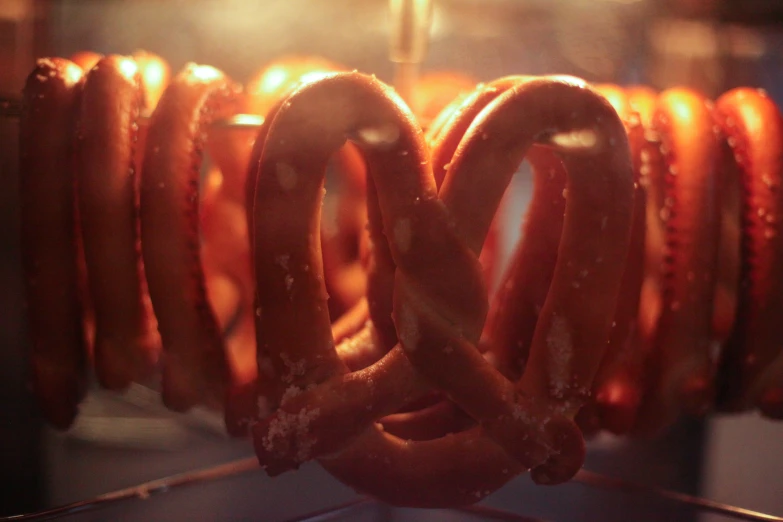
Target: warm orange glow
[[128, 68], [274, 80], [314, 76], [86, 59], [434, 91], [73, 74], [204, 73], [154, 76], [154, 73]]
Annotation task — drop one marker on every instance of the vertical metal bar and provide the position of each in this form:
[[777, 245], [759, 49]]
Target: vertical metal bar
[[410, 32]]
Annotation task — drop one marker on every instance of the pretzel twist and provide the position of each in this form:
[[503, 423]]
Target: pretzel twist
[[653, 237], [438, 322], [752, 363], [126, 344], [195, 369]]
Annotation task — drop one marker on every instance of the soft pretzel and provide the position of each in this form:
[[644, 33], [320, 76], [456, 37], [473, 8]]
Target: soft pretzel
[[58, 343], [438, 321], [194, 361]]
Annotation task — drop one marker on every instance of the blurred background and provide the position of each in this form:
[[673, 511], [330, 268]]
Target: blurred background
[[711, 45]]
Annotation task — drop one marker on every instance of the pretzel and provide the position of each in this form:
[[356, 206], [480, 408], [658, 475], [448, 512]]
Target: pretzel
[[343, 243], [126, 342], [429, 309], [195, 370], [752, 361], [58, 348], [712, 174], [618, 388], [345, 276]]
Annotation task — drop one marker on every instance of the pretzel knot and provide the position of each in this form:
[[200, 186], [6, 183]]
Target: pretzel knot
[[424, 272]]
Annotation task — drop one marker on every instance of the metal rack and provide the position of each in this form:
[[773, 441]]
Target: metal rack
[[164, 485]]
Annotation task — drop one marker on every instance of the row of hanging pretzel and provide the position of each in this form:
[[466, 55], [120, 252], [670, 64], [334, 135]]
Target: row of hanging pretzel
[[647, 283]]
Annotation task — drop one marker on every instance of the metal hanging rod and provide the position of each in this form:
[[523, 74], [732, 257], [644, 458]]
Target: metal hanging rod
[[246, 465]]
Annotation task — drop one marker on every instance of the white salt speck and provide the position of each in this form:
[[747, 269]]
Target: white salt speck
[[652, 136], [295, 368], [289, 282], [292, 429], [286, 176], [402, 234], [282, 260], [290, 393], [519, 413], [603, 222]]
